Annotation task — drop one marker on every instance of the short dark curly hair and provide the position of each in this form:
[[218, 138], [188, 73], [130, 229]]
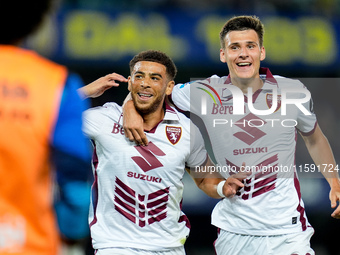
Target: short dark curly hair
[[241, 23], [158, 57], [18, 19]]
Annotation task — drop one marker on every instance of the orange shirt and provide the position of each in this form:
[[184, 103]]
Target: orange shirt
[[30, 91]]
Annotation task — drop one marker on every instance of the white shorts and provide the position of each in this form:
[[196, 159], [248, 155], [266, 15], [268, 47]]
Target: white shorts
[[228, 243], [134, 251]]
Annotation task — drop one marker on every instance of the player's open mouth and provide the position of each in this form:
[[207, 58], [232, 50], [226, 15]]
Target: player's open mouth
[[243, 64], [144, 96]]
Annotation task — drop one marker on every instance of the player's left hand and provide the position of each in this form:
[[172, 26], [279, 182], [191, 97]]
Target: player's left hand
[[235, 182], [334, 196]]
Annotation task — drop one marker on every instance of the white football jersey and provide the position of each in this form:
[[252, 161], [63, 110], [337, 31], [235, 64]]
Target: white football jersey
[[270, 203], [137, 191]]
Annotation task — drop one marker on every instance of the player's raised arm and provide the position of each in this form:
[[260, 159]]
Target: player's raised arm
[[99, 86], [322, 155]]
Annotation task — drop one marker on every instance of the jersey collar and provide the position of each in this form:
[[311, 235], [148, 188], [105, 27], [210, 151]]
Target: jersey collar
[[170, 112], [268, 82], [169, 115]]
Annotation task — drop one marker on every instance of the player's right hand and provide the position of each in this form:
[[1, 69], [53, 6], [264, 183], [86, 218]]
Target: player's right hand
[[334, 196]]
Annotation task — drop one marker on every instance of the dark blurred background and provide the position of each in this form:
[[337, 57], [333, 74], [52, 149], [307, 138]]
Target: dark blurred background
[[94, 38]]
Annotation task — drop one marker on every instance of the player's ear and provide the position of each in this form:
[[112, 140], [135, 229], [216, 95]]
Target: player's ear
[[263, 53], [129, 83], [169, 87], [222, 56]]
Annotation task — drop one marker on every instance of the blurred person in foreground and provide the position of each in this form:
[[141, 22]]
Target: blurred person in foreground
[[40, 123], [267, 215], [137, 193]]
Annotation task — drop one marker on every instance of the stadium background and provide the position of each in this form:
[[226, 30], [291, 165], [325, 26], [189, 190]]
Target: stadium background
[[98, 37]]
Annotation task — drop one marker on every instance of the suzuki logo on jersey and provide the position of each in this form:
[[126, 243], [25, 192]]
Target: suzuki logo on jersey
[[250, 151], [140, 209], [144, 177], [173, 134], [251, 133], [149, 161]]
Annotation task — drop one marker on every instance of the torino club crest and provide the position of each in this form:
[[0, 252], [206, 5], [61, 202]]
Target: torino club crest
[[173, 134], [269, 100]]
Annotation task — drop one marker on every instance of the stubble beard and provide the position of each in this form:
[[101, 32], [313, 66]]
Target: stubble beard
[[147, 109]]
